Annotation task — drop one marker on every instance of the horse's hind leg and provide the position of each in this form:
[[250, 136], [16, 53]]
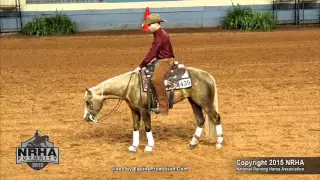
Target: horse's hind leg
[[197, 111], [214, 119]]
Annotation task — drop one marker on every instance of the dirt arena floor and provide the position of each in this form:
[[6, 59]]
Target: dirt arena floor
[[269, 94]]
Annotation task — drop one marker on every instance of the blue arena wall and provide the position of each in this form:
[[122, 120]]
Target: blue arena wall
[[177, 17]]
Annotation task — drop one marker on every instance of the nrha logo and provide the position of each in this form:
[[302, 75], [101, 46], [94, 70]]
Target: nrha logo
[[37, 152]]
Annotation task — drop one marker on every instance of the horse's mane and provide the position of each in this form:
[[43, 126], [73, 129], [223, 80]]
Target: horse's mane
[[107, 80]]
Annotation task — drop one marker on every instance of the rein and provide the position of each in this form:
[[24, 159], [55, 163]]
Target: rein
[[117, 105]]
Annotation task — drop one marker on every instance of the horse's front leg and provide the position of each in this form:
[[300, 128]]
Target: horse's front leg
[[147, 123], [136, 126]]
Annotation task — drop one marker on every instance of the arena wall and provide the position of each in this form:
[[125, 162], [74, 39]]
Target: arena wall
[[93, 15]]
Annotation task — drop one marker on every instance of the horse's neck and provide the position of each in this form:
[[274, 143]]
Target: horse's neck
[[113, 88]]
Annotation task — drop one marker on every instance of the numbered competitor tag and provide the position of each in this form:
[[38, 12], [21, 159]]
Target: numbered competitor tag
[[185, 83]]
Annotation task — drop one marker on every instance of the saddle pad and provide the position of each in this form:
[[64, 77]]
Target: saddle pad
[[175, 81]]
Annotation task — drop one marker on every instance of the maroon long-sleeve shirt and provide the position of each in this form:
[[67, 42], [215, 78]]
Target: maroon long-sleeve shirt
[[161, 47]]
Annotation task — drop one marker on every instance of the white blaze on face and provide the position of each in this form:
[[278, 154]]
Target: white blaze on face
[[85, 111], [85, 106]]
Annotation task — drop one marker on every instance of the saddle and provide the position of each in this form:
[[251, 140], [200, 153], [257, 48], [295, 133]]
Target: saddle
[[178, 78]]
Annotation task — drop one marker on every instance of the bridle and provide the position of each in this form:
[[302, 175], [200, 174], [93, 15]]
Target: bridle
[[106, 116]]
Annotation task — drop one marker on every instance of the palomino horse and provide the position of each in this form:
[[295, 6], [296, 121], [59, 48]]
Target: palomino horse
[[202, 97]]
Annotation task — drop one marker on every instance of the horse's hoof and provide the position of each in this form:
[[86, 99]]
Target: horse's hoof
[[148, 148], [192, 146], [218, 145], [220, 140], [133, 149]]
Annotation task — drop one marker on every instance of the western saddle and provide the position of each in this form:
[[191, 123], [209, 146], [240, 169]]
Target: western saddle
[[178, 78]]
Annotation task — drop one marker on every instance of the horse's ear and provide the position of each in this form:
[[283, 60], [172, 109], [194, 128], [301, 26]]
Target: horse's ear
[[89, 91]]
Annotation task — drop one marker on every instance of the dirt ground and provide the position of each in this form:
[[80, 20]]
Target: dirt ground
[[268, 86]]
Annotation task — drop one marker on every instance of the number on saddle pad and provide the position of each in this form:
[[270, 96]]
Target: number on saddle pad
[[184, 83]]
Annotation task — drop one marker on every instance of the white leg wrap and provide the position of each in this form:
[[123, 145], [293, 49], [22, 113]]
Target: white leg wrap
[[220, 138], [194, 141], [198, 132], [150, 138], [219, 129], [135, 138]]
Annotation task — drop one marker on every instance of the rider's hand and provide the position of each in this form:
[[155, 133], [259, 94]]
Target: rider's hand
[[137, 70]]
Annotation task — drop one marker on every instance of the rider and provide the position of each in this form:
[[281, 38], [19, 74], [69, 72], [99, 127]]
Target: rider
[[161, 53]]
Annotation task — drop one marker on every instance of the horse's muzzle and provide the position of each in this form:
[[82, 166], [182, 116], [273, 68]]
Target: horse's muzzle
[[86, 118], [90, 118]]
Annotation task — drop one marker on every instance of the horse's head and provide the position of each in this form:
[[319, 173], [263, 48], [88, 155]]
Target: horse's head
[[92, 106]]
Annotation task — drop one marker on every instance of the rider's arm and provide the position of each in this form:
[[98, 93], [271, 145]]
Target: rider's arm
[[152, 53]]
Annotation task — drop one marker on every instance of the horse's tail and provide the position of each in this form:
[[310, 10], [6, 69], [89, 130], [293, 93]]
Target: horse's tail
[[210, 122]]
